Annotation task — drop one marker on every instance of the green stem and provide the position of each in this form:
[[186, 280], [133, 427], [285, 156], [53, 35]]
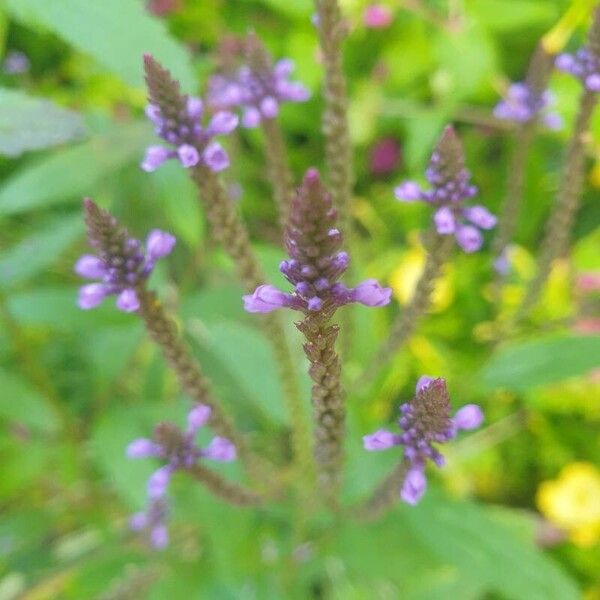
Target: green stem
[[229, 491]]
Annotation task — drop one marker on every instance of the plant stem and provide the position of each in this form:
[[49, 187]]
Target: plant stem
[[229, 491], [228, 229], [338, 150], [560, 222], [438, 248], [385, 495], [278, 167], [327, 400]]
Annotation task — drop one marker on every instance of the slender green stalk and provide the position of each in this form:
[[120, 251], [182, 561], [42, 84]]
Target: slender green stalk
[[228, 229], [338, 150], [560, 222], [438, 249], [278, 168], [385, 495], [229, 491]]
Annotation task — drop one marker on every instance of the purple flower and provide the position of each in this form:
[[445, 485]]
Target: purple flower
[[177, 120], [425, 422], [450, 187], [384, 157], [523, 104], [16, 62], [257, 87], [180, 451], [120, 264], [583, 65], [377, 16], [316, 262]]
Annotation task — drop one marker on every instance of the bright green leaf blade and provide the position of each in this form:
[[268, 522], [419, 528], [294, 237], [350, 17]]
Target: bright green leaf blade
[[28, 123], [45, 184], [522, 13], [476, 542], [541, 362], [36, 252], [115, 32]]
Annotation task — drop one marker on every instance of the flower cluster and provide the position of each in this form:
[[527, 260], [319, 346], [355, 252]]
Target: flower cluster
[[181, 452], [424, 421], [523, 104], [120, 263], [450, 187], [316, 261], [258, 87], [584, 65], [177, 120]]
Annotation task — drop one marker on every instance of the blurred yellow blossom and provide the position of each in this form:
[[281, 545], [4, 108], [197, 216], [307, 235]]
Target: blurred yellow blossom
[[572, 501], [404, 278]]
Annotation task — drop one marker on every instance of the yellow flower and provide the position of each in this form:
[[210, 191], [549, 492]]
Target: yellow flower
[[572, 501]]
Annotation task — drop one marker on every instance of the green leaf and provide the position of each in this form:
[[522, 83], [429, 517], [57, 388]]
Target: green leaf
[[45, 182], [521, 14], [36, 252], [115, 32], [23, 404], [477, 543], [28, 123], [540, 362]]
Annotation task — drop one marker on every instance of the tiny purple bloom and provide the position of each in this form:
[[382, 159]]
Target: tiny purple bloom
[[158, 482], [468, 417], [142, 448], [414, 486], [380, 440], [592, 82], [222, 123], [469, 238], [377, 16], [480, 216], [195, 107], [251, 117], [370, 293], [138, 521], [215, 157], [159, 244], [90, 267], [265, 299], [220, 449], [444, 221], [269, 107], [155, 156], [408, 191], [91, 295], [188, 155], [159, 537], [127, 301], [198, 417], [423, 382]]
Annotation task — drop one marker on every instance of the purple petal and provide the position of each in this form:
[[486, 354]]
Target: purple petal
[[153, 113], [127, 301], [90, 267], [138, 521], [215, 157], [222, 123], [380, 440], [444, 221], [480, 216], [91, 295], [370, 293], [154, 157], [564, 62], [198, 417], [423, 382], [265, 299], [315, 303], [469, 238], [188, 155], [592, 82], [269, 107], [195, 107], [220, 449], [408, 191], [553, 121], [158, 482], [159, 537], [283, 68], [158, 244], [502, 264], [142, 448], [414, 486], [469, 416], [251, 117]]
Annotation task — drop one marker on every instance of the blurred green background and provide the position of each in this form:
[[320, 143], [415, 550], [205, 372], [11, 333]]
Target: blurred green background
[[515, 514]]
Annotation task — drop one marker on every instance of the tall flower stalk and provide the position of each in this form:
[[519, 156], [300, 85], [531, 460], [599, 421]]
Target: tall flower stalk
[[338, 148], [177, 119], [525, 105], [316, 263], [258, 87], [585, 66], [123, 266], [424, 421], [450, 188]]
